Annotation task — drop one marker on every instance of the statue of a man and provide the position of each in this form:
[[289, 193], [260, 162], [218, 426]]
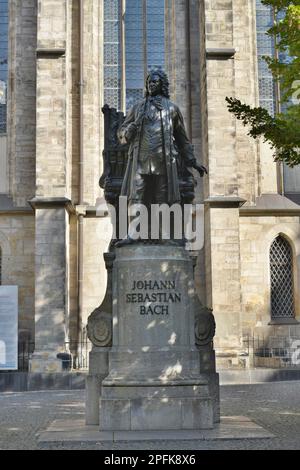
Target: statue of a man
[[154, 127], [155, 130]]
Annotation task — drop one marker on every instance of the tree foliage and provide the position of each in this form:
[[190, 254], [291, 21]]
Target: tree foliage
[[282, 131]]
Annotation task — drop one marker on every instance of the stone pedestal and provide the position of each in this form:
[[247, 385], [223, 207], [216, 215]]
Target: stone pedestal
[[98, 370], [155, 379]]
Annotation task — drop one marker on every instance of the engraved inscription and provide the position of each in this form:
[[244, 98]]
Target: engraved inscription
[[153, 297]]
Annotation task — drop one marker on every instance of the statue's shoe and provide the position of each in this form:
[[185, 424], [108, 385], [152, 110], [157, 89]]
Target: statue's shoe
[[126, 241]]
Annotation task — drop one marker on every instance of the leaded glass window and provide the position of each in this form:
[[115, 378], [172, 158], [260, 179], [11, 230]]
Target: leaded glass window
[[144, 42], [134, 50], [3, 62], [267, 90], [136, 27], [265, 47], [282, 283], [155, 34], [112, 53]]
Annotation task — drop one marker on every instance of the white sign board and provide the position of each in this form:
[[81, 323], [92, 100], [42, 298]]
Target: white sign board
[[8, 327], [2, 92]]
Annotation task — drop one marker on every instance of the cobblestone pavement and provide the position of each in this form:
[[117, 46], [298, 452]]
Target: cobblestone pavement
[[275, 406]]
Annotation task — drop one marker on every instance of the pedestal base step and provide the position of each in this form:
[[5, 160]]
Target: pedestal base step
[[75, 431], [145, 407], [142, 414]]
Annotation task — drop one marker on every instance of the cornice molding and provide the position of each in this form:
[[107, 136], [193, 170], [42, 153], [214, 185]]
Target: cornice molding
[[17, 211], [52, 203], [252, 211], [50, 52], [214, 53], [271, 205], [228, 202]]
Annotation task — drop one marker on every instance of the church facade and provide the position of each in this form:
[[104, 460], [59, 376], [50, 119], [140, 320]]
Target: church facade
[[60, 62]]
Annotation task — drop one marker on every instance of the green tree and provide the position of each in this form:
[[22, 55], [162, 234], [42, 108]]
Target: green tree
[[282, 131]]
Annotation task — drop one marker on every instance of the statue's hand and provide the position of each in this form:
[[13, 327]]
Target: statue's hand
[[201, 169], [130, 131]]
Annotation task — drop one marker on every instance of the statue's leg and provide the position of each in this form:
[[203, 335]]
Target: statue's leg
[[139, 196], [161, 189], [135, 206], [160, 196], [140, 209], [170, 231]]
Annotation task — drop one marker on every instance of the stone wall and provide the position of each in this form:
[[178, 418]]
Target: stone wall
[[50, 279], [72, 100], [177, 50], [234, 156], [17, 246], [256, 237], [225, 277], [93, 99], [22, 99], [220, 83], [246, 89], [94, 272], [58, 163], [222, 218], [94, 276], [51, 101], [72, 244]]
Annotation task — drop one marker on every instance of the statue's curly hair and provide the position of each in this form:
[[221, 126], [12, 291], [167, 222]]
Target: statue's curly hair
[[164, 79]]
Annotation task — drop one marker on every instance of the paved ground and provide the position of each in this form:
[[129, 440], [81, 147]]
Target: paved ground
[[275, 406]]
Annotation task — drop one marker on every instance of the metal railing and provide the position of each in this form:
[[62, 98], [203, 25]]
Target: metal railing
[[80, 353], [75, 357], [274, 352], [257, 351], [25, 350]]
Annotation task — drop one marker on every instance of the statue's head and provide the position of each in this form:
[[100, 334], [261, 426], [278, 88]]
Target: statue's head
[[157, 83]]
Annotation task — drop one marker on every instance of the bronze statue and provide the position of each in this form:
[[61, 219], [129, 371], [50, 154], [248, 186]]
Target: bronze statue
[[147, 154], [155, 131]]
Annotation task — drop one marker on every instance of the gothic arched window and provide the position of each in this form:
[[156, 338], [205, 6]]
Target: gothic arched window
[[282, 282]]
